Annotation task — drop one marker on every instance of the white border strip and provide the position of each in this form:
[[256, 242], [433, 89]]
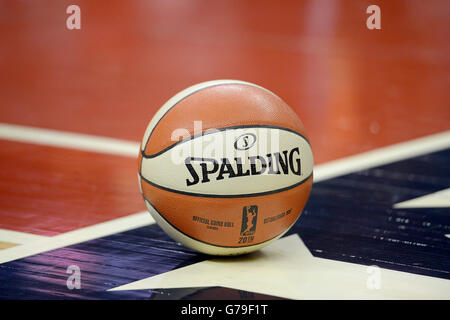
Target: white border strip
[[77, 236], [439, 199], [382, 156], [70, 140], [17, 237]]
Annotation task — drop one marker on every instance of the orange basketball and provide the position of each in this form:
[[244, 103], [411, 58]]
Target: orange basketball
[[225, 167]]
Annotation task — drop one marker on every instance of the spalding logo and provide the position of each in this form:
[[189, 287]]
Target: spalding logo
[[244, 161], [288, 161], [245, 141]]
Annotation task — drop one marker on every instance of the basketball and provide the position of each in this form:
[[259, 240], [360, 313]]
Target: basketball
[[225, 167]]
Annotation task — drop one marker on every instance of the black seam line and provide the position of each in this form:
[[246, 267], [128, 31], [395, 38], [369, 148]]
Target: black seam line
[[226, 195], [220, 129], [208, 243], [200, 89]]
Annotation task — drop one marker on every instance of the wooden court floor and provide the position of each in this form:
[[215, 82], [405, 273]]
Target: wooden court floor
[[75, 103]]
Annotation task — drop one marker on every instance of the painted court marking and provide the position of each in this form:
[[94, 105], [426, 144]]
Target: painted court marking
[[322, 172], [382, 156], [298, 275], [99, 230], [70, 140], [439, 199], [17, 237]]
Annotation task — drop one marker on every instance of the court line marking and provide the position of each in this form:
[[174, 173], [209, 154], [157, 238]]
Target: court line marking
[[439, 199], [19, 237], [366, 160], [99, 230], [78, 141], [385, 155]]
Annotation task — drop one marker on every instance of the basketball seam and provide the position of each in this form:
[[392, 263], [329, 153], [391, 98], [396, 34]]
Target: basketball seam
[[191, 93], [247, 195], [222, 129]]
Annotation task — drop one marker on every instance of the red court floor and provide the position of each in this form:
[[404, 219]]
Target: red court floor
[[355, 89]]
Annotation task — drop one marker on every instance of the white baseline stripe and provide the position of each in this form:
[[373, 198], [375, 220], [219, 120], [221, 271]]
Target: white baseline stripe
[[382, 156], [19, 237], [439, 199], [70, 140], [72, 237]]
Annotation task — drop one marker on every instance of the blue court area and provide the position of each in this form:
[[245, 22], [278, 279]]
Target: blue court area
[[350, 218]]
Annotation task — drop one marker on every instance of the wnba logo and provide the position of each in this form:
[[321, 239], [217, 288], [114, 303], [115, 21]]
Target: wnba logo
[[249, 217]]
